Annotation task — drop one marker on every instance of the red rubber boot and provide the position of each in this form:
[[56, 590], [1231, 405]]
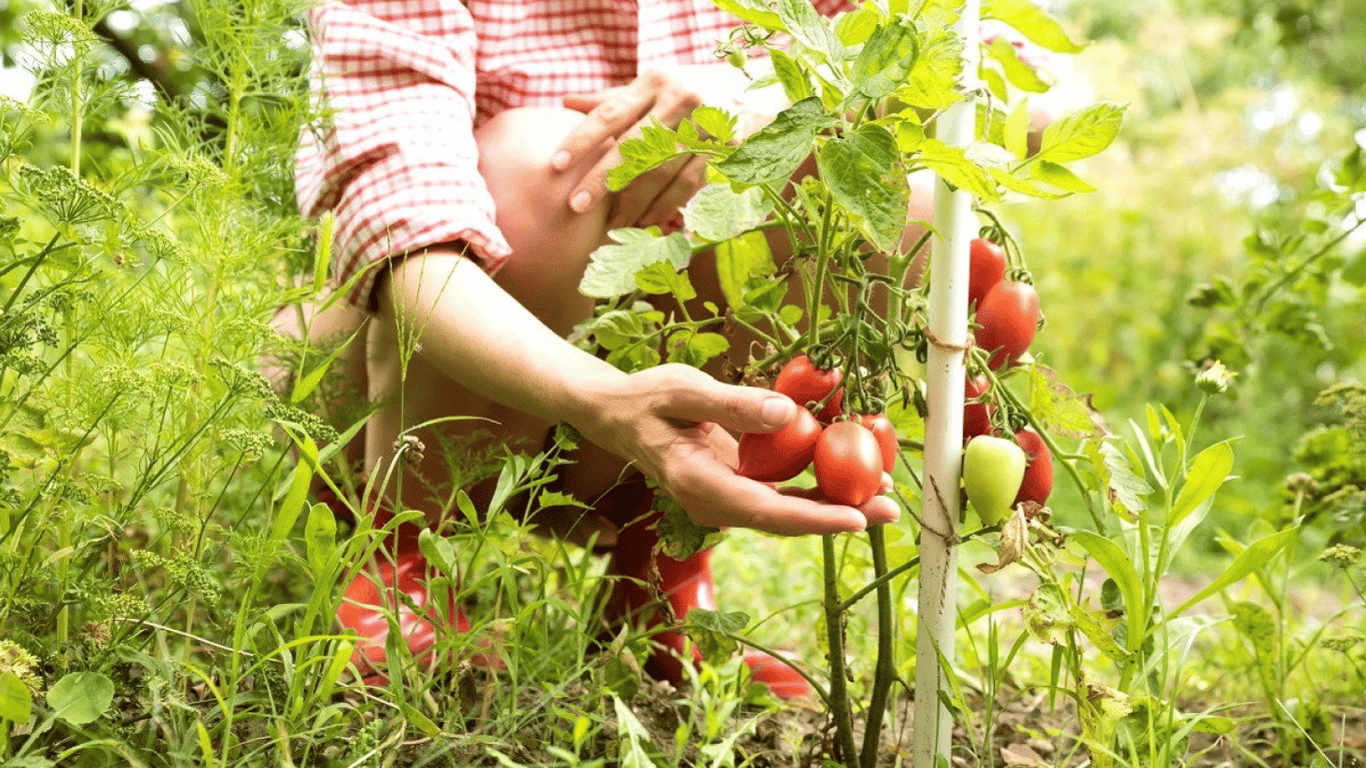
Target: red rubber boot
[[686, 584], [372, 597]]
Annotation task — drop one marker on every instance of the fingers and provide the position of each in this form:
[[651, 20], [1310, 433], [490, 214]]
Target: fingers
[[879, 510], [656, 196], [691, 396], [739, 502], [651, 96]]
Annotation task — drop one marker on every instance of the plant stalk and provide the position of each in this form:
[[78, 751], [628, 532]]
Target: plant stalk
[[884, 672], [834, 628]]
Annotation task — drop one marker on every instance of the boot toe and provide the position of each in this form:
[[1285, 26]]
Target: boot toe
[[781, 679]]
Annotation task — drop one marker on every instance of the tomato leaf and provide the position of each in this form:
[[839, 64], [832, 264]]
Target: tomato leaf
[[612, 269], [680, 537], [775, 151], [1100, 630], [863, 172], [810, 29], [753, 11], [1020, 74], [716, 213], [883, 63], [695, 349], [655, 146], [796, 84], [1082, 134], [662, 278], [713, 631], [739, 259], [1059, 176], [1017, 129], [718, 123], [954, 167], [1252, 558], [930, 83], [1032, 22]]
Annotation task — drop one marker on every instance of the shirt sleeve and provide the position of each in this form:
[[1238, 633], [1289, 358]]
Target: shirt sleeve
[[393, 154]]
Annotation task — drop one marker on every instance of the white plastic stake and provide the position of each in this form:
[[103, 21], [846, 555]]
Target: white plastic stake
[[955, 226]]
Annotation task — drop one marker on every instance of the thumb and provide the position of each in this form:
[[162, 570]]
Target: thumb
[[701, 398]]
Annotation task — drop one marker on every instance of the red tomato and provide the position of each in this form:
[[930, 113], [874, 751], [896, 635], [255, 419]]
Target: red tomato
[[1038, 476], [986, 268], [882, 429], [976, 416], [848, 463], [802, 381], [1009, 316], [776, 456]]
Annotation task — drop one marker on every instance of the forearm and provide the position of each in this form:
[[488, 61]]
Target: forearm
[[484, 340]]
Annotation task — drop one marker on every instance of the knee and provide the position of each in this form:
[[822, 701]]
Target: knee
[[515, 148]]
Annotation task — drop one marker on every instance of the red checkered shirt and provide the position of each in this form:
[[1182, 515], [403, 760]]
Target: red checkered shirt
[[404, 83]]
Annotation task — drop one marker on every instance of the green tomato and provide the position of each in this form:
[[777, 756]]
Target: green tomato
[[993, 468]]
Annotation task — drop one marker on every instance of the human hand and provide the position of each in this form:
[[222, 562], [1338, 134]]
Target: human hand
[[654, 197], [668, 421]]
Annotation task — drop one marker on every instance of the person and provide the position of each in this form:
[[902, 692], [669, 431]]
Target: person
[[462, 152]]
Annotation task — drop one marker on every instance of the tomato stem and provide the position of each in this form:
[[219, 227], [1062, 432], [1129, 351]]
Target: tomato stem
[[834, 629], [884, 671]]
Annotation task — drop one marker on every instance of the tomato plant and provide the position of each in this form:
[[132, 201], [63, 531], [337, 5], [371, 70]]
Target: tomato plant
[[776, 456], [986, 268], [993, 468], [848, 463], [976, 416], [882, 429], [805, 383], [1009, 316], [1037, 483]]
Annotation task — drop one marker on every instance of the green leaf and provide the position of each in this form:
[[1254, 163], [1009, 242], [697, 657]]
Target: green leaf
[[695, 349], [776, 150], [635, 742], [717, 213], [1082, 134], [954, 167], [712, 632], [863, 172], [1020, 74], [680, 537], [81, 697], [739, 259], [1046, 616], [16, 703], [930, 84], [612, 269], [662, 278], [1100, 630], [295, 497], [1128, 487], [1017, 129], [1059, 176], [718, 123], [810, 29], [1208, 472], [1116, 563], [753, 11], [1256, 624], [1024, 186], [884, 62], [655, 146], [423, 723], [1032, 22], [320, 538], [790, 74], [1252, 558]]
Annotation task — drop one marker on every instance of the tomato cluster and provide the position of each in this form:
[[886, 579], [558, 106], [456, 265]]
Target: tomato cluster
[[999, 473], [1007, 310], [847, 456]]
